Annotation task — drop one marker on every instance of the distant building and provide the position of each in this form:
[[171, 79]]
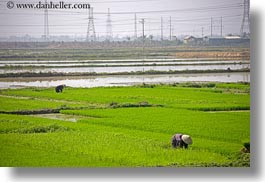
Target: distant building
[[189, 40], [232, 37], [200, 41], [227, 40], [231, 40], [214, 40]]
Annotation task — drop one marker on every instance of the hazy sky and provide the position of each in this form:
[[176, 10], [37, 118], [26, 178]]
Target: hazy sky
[[188, 17]]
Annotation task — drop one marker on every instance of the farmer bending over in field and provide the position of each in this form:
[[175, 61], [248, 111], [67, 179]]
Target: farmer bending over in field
[[180, 140], [59, 88]]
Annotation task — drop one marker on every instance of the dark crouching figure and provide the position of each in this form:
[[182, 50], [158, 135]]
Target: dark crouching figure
[[180, 141], [60, 88]]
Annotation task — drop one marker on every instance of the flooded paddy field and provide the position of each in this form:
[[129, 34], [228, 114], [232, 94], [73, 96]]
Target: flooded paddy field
[[102, 70], [119, 62], [124, 69], [122, 80], [116, 66]]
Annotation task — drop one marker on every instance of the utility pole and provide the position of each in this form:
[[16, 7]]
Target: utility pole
[[170, 28], [142, 22], [46, 24], [211, 26], [135, 27], [173, 31], [161, 28], [221, 26], [202, 32]]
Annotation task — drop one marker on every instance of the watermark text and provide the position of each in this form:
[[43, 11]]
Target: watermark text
[[48, 5]]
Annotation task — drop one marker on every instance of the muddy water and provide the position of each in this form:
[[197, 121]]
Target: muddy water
[[122, 80], [127, 66], [59, 116], [127, 69], [112, 60], [115, 63], [20, 65]]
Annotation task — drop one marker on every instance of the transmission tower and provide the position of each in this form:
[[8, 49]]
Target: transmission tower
[[109, 27], [46, 24], [91, 33], [245, 22]]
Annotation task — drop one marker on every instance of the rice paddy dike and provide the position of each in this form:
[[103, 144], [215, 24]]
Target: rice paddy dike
[[126, 126]]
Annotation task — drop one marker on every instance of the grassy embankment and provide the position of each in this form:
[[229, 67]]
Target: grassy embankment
[[127, 126]]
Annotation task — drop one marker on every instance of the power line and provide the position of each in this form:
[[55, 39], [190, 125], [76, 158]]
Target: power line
[[103, 32], [46, 24], [172, 21], [205, 18], [123, 20], [188, 10], [201, 9]]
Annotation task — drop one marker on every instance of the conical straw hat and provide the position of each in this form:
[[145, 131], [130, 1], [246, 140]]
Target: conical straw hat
[[187, 139]]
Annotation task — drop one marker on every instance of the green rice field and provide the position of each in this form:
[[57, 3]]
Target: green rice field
[[126, 126]]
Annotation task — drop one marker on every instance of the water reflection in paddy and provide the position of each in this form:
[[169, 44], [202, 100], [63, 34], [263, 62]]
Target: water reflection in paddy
[[126, 69], [123, 80]]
